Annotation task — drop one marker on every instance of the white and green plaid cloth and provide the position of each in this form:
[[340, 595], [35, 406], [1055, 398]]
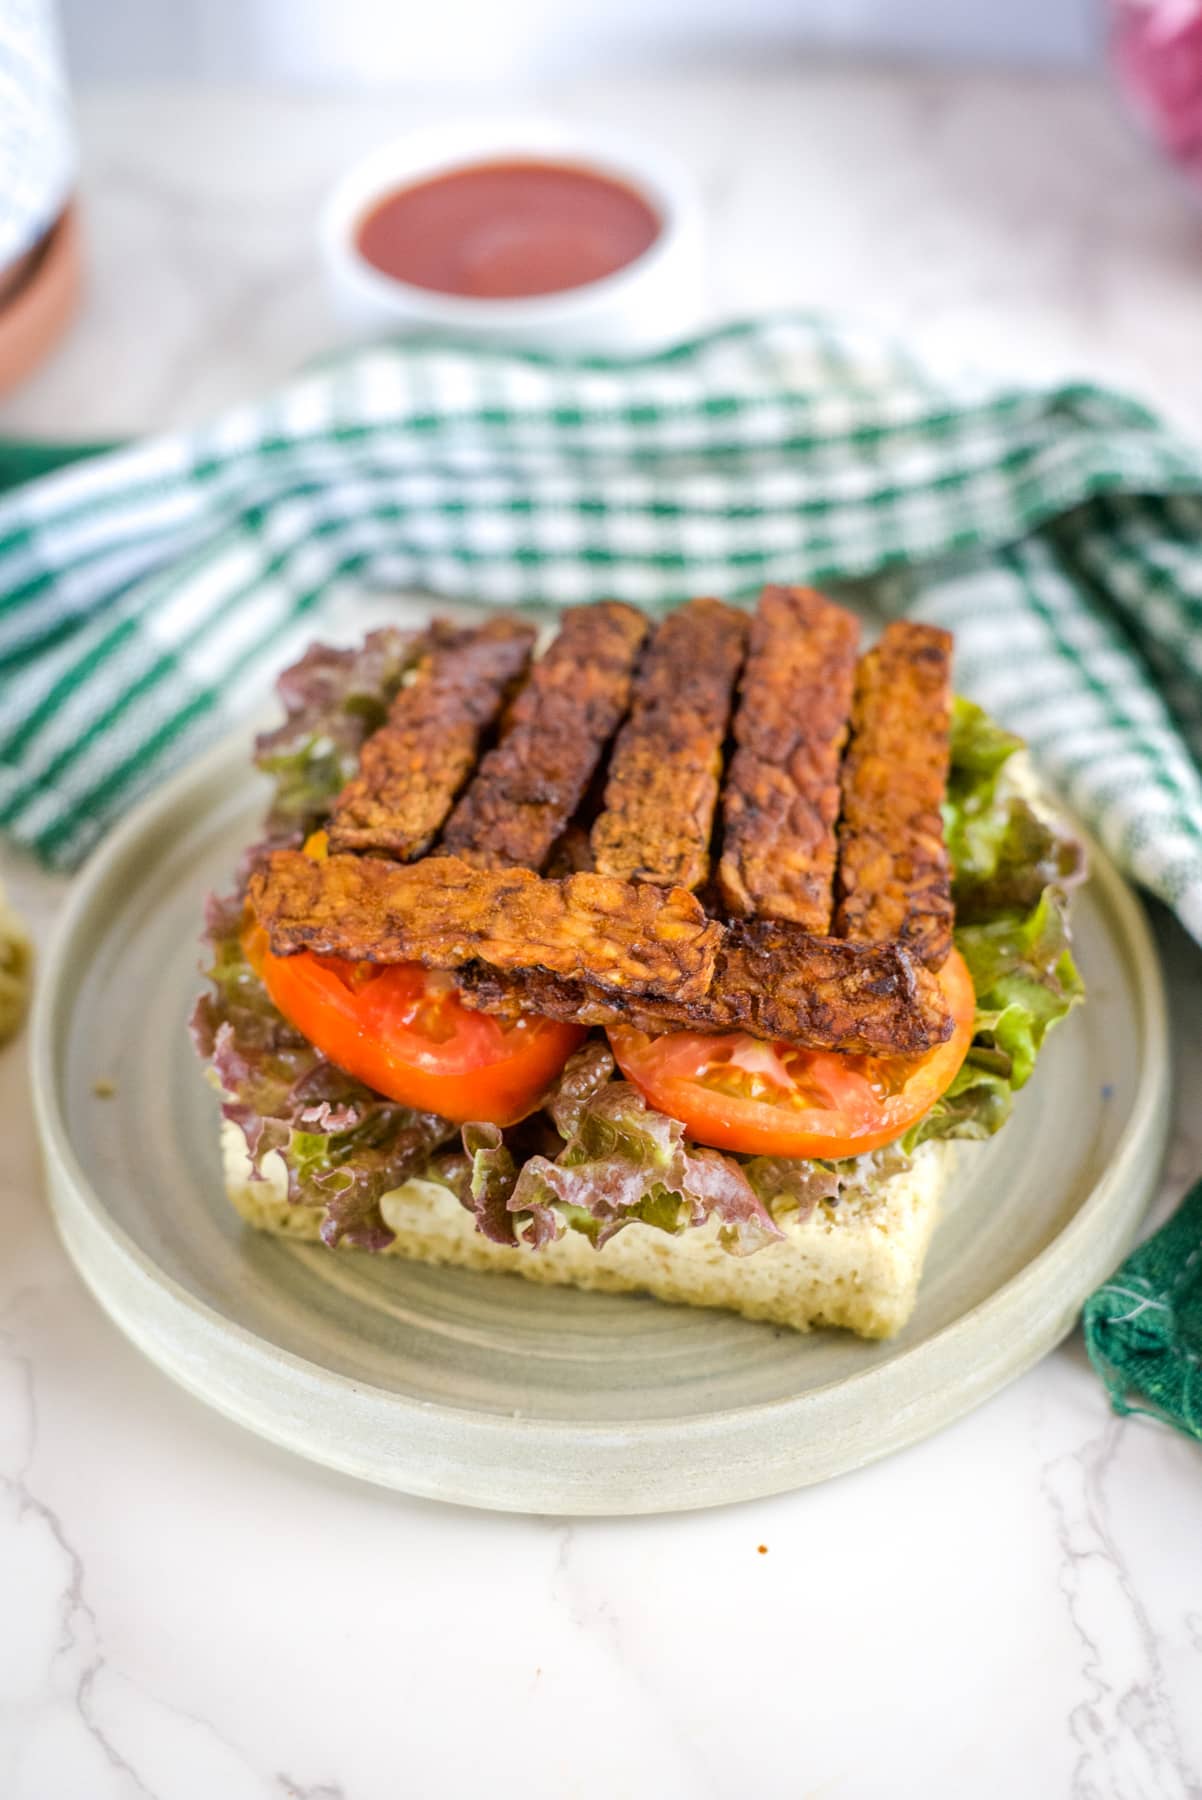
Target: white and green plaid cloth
[[146, 595]]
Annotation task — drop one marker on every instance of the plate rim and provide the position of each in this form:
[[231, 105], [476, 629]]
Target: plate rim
[[71, 1191]]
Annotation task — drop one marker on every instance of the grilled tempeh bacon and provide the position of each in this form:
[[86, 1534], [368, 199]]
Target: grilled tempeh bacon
[[667, 762], [593, 948], [781, 797], [771, 980], [528, 788], [412, 769], [894, 878], [628, 941], [444, 913]]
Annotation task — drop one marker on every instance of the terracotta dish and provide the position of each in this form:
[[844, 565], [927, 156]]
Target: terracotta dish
[[34, 316]]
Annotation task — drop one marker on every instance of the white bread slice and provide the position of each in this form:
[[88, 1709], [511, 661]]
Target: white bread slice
[[855, 1263]]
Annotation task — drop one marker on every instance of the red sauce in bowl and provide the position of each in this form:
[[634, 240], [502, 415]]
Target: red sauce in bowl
[[507, 230]]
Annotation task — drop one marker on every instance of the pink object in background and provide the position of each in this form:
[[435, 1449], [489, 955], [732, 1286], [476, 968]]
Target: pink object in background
[[39, 237], [1156, 53]]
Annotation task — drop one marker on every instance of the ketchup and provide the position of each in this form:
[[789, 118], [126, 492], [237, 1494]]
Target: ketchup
[[503, 230]]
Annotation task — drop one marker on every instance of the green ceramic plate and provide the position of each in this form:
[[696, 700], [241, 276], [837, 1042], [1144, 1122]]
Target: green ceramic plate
[[489, 1390]]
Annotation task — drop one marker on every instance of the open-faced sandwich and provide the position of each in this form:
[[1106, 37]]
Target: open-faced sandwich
[[670, 960]]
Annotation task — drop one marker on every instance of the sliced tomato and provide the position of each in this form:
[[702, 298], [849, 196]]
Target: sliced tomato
[[775, 1099], [405, 1031]]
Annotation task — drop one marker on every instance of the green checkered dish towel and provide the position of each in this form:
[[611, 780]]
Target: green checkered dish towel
[[147, 594]]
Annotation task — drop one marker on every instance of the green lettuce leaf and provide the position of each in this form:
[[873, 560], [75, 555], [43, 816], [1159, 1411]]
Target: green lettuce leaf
[[333, 700], [791, 1187], [620, 1161], [343, 1146], [1012, 868], [1003, 852]]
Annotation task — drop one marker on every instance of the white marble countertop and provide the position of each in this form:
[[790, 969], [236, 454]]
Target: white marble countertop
[[1014, 1607]]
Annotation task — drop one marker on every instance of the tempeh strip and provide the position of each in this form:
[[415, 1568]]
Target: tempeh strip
[[527, 788], [894, 879], [412, 768], [781, 796], [770, 980], [443, 913], [667, 762], [595, 949], [774, 980]]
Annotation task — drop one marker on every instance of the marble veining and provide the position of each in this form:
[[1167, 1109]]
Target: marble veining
[[1014, 1607], [1125, 1716], [71, 1723]]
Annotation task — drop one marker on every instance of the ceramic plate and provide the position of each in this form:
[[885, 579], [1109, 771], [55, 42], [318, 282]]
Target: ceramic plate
[[493, 1391]]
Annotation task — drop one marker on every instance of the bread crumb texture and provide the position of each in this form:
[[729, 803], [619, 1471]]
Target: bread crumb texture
[[854, 1263]]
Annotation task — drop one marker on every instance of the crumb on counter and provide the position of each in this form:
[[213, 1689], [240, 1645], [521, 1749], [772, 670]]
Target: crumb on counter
[[103, 1088]]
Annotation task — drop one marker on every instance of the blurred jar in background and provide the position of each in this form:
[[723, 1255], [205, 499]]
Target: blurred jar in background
[[39, 264], [1156, 54]]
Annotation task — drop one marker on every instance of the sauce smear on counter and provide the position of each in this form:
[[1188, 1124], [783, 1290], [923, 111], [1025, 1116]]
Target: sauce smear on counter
[[507, 230]]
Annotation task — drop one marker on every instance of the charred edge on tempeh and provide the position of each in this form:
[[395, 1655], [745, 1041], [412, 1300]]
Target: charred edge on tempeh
[[780, 801], [894, 878], [629, 946], [771, 980], [413, 767], [443, 913], [527, 789], [667, 762]]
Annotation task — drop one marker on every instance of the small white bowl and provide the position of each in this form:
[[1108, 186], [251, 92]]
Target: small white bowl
[[649, 303]]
